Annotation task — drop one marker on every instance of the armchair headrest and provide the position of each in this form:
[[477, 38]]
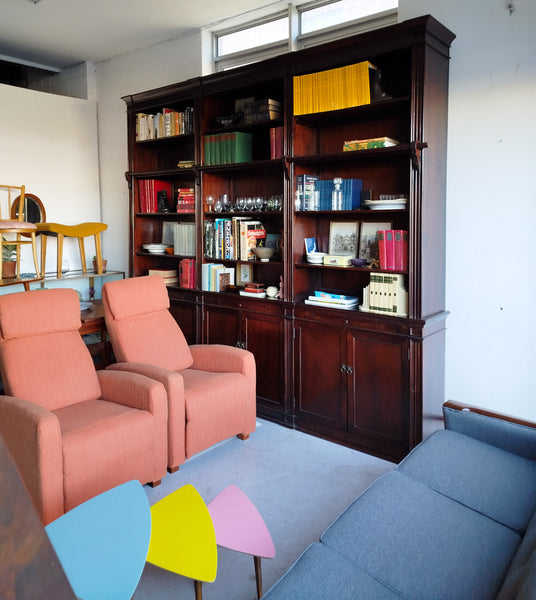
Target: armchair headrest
[[39, 311], [136, 296]]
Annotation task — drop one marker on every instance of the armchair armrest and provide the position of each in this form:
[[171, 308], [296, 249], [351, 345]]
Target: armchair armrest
[[502, 431], [33, 436], [219, 358], [134, 390], [176, 411]]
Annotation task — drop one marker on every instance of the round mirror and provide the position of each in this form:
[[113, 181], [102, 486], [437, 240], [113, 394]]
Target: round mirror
[[34, 211]]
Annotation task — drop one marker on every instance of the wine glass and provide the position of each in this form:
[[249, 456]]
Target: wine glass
[[210, 202]]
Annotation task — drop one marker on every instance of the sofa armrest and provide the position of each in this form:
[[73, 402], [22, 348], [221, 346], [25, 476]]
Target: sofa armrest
[[502, 431], [33, 437], [219, 358]]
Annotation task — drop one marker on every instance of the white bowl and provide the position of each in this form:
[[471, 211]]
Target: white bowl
[[316, 258]]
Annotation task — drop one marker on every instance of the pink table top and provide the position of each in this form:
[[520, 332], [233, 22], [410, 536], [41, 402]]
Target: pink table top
[[238, 524]]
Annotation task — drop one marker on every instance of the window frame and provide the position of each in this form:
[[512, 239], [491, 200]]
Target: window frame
[[296, 40]]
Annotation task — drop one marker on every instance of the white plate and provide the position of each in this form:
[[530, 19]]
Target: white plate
[[159, 247], [386, 204]]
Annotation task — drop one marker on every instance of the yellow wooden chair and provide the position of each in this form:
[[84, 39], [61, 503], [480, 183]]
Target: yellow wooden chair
[[20, 232], [34, 212]]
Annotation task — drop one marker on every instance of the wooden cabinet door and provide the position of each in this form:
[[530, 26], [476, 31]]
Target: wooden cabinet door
[[221, 325], [185, 313], [264, 337], [379, 406], [320, 389]]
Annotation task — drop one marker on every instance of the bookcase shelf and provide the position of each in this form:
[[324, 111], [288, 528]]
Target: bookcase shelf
[[396, 361]]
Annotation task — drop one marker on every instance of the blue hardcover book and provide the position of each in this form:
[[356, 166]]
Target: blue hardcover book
[[323, 294], [351, 193]]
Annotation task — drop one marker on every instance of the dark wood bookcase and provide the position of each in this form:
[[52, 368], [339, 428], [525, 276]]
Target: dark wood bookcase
[[361, 379]]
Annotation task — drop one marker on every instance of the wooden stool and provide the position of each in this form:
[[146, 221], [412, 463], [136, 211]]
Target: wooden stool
[[79, 231]]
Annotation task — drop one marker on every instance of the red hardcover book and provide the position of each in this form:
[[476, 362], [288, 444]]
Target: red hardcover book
[[183, 273], [389, 249], [401, 249], [191, 274], [381, 248]]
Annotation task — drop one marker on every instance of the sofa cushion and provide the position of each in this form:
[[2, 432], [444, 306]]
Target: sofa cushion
[[520, 581], [421, 543], [496, 483], [322, 573]]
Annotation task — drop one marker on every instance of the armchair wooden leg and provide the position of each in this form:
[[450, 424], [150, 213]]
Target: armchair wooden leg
[[172, 469], [155, 483], [243, 436], [198, 590]]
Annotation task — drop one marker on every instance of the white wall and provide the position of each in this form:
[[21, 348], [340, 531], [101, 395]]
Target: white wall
[[491, 202], [153, 67], [49, 144]]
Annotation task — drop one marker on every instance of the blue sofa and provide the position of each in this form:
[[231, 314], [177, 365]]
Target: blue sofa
[[455, 520]]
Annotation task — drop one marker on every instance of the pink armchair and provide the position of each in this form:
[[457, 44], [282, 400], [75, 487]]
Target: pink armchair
[[211, 388], [72, 431]]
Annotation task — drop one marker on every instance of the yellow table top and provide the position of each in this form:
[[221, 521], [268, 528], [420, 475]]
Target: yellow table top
[[182, 537]]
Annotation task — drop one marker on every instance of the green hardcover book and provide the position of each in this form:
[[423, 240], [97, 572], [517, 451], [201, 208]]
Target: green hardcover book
[[242, 147]]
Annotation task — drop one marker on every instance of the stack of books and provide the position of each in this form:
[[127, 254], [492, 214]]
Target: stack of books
[[385, 295], [260, 111], [170, 276], [332, 300], [254, 290], [379, 142], [185, 200], [333, 89], [393, 249]]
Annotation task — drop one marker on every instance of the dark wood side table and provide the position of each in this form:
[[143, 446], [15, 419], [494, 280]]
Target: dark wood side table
[[93, 322]]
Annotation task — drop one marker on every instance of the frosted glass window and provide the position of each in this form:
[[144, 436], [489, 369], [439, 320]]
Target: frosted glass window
[[253, 37], [342, 11]]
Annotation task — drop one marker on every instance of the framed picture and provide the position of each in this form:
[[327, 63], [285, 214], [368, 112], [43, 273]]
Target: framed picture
[[244, 274], [368, 239], [343, 238]]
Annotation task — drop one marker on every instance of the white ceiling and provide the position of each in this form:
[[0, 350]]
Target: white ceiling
[[62, 33]]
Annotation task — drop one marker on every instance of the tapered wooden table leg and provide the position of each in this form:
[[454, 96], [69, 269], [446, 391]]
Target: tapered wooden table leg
[[258, 575], [198, 590]]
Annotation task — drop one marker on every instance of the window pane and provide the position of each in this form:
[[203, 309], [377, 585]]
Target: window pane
[[259, 35], [341, 12]]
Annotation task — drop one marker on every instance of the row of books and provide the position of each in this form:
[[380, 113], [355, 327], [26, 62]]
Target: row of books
[[332, 300], [185, 276], [216, 277], [315, 194], [183, 238], [333, 89], [385, 295], [148, 190], [258, 111], [167, 123], [226, 148], [393, 249], [233, 238]]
